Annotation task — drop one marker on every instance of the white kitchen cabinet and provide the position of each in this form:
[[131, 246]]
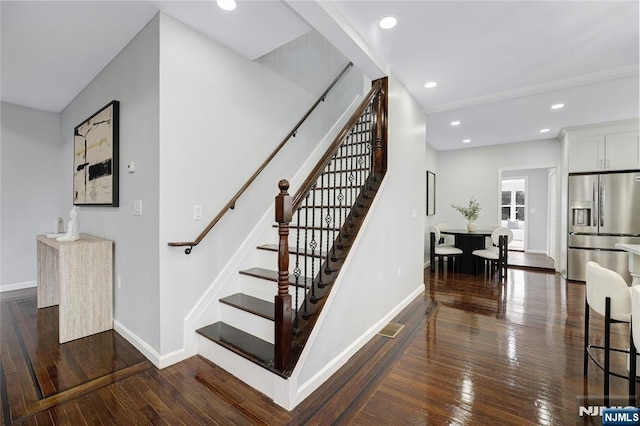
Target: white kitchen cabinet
[[622, 151], [613, 151]]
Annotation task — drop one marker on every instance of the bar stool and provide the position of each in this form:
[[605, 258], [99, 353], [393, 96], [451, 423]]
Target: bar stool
[[635, 339], [608, 295]]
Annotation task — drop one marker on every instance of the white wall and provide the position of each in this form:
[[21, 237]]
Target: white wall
[[475, 171], [131, 78], [371, 284], [220, 117], [30, 170], [537, 195]]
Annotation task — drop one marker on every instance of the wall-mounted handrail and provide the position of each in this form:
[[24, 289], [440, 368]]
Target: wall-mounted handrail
[[232, 203]]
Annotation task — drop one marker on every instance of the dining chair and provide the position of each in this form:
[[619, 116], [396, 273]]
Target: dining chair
[[496, 255], [489, 242], [444, 240], [441, 251], [607, 294]]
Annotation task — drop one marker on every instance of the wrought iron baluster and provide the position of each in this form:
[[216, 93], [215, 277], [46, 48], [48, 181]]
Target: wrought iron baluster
[[340, 194], [313, 245], [334, 256], [362, 158], [369, 147], [296, 273], [328, 219], [305, 312], [351, 179], [321, 227], [359, 180]]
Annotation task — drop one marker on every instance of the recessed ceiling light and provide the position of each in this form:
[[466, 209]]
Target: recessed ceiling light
[[388, 22], [430, 85], [226, 4], [545, 130], [557, 106], [455, 123], [466, 140]]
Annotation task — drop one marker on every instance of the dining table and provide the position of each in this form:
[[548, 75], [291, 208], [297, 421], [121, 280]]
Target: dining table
[[468, 242]]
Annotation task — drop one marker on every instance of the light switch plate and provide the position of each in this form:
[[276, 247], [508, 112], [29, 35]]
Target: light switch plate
[[197, 212], [137, 207]]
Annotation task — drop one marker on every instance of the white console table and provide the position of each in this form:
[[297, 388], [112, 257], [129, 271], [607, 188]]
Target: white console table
[[634, 260], [77, 276]]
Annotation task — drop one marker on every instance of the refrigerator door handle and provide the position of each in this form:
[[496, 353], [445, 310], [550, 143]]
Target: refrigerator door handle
[[602, 201], [595, 206]]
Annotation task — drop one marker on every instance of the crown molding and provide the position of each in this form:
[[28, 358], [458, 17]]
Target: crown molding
[[579, 80]]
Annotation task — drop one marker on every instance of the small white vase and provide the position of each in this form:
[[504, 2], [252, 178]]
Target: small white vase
[[471, 226]]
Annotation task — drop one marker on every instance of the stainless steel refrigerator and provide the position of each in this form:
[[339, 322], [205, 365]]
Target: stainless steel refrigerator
[[604, 209]]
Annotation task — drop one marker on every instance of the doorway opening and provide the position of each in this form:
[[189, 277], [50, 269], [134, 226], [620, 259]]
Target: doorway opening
[[514, 210]]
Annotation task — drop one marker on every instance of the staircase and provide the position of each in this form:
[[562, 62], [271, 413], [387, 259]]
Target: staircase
[[323, 217]]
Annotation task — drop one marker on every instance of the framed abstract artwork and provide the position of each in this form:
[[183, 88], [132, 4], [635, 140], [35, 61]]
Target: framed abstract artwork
[[431, 193], [95, 158]]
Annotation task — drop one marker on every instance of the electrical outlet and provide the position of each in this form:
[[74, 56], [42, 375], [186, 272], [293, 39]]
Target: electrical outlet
[[118, 281], [399, 271]]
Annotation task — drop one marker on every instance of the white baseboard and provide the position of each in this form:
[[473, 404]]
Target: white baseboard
[[160, 361], [18, 286]]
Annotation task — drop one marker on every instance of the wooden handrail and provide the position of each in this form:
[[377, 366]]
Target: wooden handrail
[[326, 158], [232, 203]]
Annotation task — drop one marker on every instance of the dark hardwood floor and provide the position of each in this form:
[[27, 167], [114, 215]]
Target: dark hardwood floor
[[472, 352], [531, 260]]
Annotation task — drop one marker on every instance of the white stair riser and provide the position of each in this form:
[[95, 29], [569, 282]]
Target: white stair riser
[[266, 290], [250, 373], [248, 322]]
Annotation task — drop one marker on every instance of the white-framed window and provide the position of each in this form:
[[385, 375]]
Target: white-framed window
[[513, 199]]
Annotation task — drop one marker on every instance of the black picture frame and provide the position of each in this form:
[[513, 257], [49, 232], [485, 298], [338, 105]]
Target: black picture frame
[[431, 193], [96, 152]]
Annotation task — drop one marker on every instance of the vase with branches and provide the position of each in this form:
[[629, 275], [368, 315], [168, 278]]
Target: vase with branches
[[470, 212]]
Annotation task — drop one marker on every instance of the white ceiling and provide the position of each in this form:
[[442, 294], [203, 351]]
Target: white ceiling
[[499, 65]]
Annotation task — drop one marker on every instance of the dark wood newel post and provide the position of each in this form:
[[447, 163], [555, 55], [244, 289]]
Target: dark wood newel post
[[283, 313], [379, 132]]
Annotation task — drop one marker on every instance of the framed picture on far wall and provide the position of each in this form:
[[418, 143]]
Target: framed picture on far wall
[[95, 158], [431, 193]]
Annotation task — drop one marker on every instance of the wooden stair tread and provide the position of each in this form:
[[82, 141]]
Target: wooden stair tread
[[251, 304], [326, 207], [292, 250], [355, 169], [271, 275], [244, 344], [324, 188], [314, 228]]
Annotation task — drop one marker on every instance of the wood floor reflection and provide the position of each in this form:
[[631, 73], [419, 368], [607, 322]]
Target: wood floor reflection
[[471, 352]]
